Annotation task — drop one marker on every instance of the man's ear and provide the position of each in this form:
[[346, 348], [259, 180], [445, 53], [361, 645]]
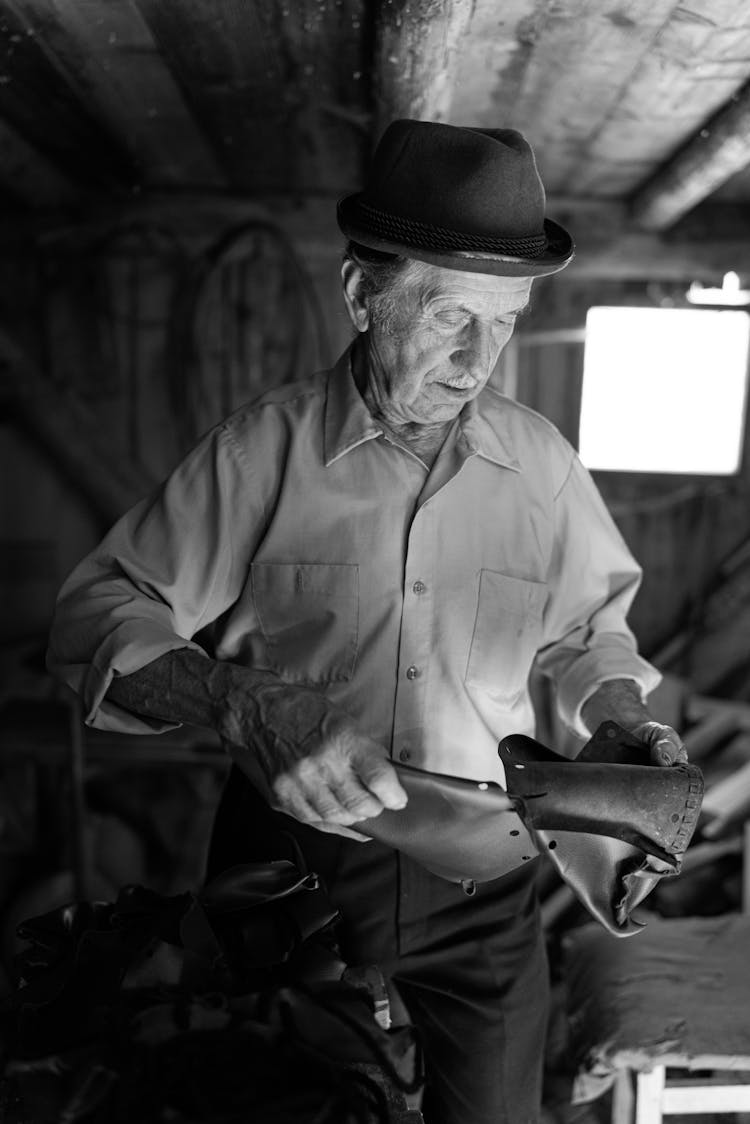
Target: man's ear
[[351, 280]]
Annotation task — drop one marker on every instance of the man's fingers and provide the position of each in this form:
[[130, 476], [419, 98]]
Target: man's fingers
[[289, 798], [358, 801], [381, 778], [317, 792], [665, 744], [667, 748], [312, 793]]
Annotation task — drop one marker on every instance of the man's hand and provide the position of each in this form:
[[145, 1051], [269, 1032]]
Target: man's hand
[[665, 745], [318, 767], [619, 700]]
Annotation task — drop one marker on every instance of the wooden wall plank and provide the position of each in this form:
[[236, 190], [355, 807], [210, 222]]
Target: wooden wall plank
[[36, 100], [70, 433], [280, 88], [108, 57]]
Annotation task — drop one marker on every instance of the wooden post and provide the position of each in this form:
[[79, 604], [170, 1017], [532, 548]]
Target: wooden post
[[623, 1100], [649, 1093], [746, 867], [415, 47]]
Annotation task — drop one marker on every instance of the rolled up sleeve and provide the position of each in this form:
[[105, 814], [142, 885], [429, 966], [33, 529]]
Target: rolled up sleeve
[[592, 582], [165, 570]]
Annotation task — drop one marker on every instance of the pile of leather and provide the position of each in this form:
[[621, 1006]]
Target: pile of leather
[[225, 1006]]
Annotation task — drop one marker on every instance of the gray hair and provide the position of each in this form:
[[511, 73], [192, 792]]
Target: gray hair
[[384, 278]]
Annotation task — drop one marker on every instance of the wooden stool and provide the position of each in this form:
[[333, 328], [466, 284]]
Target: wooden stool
[[646, 1012]]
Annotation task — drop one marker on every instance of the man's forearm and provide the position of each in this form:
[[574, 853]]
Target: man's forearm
[[246, 707], [187, 687], [617, 700], [316, 764]]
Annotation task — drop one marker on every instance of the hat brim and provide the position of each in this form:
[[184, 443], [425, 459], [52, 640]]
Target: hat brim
[[559, 251]]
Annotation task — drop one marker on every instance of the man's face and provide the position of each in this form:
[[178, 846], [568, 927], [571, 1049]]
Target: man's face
[[441, 346]]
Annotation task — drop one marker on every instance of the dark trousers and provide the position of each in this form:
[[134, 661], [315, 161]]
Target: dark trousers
[[472, 970]]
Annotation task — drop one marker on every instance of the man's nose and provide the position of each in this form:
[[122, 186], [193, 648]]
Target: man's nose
[[478, 346]]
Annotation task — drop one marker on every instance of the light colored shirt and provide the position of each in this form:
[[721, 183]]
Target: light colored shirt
[[298, 538]]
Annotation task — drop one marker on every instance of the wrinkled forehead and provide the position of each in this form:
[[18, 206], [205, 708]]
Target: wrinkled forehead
[[479, 291]]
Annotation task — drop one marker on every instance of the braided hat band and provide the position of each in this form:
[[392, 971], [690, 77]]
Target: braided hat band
[[424, 235]]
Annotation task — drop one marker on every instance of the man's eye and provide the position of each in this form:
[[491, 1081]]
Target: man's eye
[[451, 319]]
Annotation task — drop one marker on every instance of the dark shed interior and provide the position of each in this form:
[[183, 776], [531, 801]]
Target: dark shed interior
[[168, 182]]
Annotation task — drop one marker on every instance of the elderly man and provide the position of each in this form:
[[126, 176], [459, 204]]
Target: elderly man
[[362, 568]]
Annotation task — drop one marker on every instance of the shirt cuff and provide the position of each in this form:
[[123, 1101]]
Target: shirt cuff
[[592, 669], [129, 648]]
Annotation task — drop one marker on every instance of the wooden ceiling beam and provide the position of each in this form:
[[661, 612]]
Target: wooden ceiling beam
[[647, 257], [38, 103], [718, 151], [706, 244], [696, 62], [279, 88], [110, 61], [703, 246], [415, 49], [555, 71], [601, 90]]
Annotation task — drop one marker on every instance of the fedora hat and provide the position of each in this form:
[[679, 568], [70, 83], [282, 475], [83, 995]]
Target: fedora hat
[[460, 198]]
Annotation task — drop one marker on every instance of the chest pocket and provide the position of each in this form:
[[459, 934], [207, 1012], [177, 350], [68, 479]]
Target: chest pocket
[[309, 615], [507, 634]]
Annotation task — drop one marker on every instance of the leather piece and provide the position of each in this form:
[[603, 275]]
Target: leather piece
[[611, 823], [462, 830], [633, 838], [652, 810]]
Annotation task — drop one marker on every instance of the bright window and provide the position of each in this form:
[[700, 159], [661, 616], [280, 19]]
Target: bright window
[[664, 389]]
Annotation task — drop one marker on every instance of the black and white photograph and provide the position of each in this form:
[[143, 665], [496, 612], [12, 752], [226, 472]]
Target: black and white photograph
[[374, 562]]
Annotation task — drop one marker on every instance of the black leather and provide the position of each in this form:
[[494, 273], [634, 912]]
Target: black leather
[[611, 823], [618, 843], [462, 830], [653, 811]]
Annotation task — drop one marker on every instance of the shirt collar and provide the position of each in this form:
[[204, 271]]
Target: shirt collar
[[348, 422], [494, 441]]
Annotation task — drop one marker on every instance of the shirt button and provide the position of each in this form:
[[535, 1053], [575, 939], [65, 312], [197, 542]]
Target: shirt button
[[412, 672], [404, 755], [419, 587]]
